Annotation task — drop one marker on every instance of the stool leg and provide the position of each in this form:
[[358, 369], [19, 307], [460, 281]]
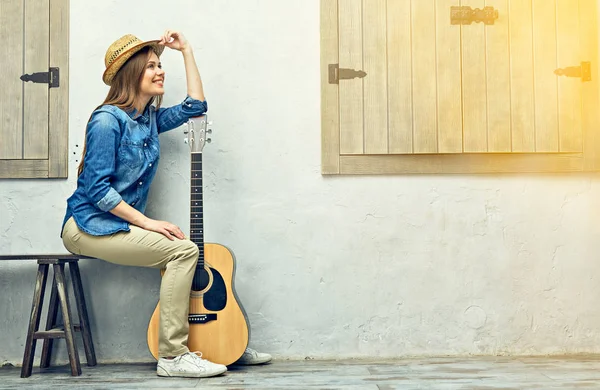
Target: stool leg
[[50, 324], [34, 320], [84, 322], [59, 272]]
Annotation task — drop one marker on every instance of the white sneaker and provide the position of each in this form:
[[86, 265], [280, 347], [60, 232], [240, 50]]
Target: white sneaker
[[251, 357], [190, 365]]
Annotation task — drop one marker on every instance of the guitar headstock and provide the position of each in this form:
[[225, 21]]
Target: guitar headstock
[[197, 129]]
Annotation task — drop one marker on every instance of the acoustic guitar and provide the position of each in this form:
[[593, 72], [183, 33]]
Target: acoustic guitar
[[218, 323]]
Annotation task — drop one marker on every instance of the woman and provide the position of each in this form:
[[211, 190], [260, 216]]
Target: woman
[[104, 217]]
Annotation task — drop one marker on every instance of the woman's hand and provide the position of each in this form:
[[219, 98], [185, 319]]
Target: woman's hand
[[174, 40], [166, 228]]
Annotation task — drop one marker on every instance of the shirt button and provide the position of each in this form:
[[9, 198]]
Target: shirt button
[[141, 183], [150, 164], [133, 204], [145, 144]]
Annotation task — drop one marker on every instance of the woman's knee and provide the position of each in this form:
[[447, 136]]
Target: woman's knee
[[190, 250]]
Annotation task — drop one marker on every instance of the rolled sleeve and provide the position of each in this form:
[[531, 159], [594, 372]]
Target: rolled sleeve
[[110, 200], [173, 117], [102, 139]]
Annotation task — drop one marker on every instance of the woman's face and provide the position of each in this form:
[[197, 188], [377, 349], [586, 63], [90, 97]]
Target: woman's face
[[154, 78]]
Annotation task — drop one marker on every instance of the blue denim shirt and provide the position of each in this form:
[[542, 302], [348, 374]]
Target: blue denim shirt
[[120, 162]]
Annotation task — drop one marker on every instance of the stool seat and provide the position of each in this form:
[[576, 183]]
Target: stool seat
[[58, 297]]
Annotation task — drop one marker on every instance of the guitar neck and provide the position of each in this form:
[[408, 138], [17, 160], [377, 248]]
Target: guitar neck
[[196, 206]]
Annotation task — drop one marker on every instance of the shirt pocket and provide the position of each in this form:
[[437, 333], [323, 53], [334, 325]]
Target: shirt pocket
[[131, 154]]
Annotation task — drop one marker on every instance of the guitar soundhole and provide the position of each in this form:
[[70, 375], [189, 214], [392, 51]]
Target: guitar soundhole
[[201, 279]]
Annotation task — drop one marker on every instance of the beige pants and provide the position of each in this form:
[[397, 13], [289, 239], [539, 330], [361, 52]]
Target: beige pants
[[144, 248]]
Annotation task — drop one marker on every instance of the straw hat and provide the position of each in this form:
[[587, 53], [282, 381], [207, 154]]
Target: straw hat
[[123, 49]]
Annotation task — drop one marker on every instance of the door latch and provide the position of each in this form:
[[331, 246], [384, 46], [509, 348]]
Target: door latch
[[467, 15], [584, 71], [336, 74], [52, 77]]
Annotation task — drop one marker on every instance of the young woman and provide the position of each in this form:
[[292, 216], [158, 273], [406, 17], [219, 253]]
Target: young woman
[[105, 215]]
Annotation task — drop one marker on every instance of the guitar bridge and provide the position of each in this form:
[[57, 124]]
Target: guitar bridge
[[201, 318]]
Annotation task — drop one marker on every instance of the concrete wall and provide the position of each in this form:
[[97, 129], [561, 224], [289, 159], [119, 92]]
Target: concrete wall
[[327, 266]]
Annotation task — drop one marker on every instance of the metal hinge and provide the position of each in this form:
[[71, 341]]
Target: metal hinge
[[52, 78], [336, 74], [584, 71]]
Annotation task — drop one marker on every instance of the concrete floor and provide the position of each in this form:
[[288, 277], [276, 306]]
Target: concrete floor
[[433, 373]]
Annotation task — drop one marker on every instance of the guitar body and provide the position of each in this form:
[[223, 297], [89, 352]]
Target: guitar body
[[221, 332]]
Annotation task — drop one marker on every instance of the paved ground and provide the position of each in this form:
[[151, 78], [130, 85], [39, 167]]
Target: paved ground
[[434, 373]]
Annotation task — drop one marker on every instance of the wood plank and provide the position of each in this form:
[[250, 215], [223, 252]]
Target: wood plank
[[449, 96], [498, 80], [351, 91], [49, 334], [58, 257], [51, 316], [423, 53], [59, 273], [546, 87], [461, 163], [330, 105], [35, 96], [58, 143], [11, 98], [34, 320], [84, 321], [375, 83], [474, 84], [521, 67], [23, 169], [588, 16], [400, 104], [570, 131]]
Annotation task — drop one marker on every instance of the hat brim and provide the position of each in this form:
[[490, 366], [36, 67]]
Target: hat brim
[[113, 68]]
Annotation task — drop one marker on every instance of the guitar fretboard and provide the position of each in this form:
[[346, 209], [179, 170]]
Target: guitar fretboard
[[196, 210]]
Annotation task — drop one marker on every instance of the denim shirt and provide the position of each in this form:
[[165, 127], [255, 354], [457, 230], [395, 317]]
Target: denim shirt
[[121, 159]]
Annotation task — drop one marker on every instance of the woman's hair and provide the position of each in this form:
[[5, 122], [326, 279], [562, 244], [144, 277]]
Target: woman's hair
[[125, 88]]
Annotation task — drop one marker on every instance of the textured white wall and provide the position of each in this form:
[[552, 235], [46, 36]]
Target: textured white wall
[[327, 266]]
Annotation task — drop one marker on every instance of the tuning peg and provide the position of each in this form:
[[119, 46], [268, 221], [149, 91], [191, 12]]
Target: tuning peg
[[185, 141], [209, 131], [209, 140], [210, 123]]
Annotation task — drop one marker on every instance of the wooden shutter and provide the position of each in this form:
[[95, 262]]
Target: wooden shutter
[[33, 117], [443, 97]]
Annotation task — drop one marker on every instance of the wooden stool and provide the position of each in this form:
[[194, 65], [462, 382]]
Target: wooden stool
[[59, 294]]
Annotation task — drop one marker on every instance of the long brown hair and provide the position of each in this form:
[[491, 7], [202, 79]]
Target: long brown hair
[[125, 88]]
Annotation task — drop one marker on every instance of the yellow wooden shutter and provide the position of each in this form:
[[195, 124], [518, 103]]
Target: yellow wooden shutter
[[426, 95], [33, 117]]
